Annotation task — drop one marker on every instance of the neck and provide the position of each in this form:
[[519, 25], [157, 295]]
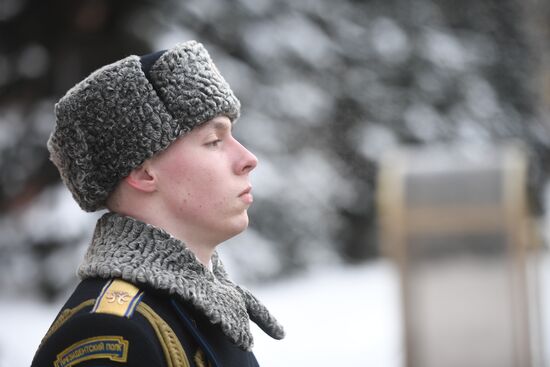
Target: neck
[[202, 252]]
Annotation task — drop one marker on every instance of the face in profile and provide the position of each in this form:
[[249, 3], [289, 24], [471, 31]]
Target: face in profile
[[203, 182]]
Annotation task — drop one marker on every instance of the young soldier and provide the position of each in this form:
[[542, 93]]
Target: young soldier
[[149, 138]]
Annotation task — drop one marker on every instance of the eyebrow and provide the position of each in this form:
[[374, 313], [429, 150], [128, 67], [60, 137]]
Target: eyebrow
[[221, 125]]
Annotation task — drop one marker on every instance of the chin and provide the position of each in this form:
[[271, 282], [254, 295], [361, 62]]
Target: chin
[[238, 226]]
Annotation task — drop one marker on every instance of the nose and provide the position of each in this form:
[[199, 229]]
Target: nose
[[246, 162]]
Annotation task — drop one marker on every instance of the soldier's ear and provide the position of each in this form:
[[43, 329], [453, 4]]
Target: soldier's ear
[[142, 178]]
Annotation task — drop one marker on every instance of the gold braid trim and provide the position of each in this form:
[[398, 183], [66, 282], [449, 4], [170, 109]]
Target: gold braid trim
[[173, 350], [200, 359], [65, 315]]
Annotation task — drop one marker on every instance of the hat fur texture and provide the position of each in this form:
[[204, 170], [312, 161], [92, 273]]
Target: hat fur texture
[[121, 115]]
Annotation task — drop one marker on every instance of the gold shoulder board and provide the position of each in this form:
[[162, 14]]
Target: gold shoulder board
[[118, 298]]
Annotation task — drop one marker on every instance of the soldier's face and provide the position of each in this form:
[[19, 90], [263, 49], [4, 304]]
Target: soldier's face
[[203, 182]]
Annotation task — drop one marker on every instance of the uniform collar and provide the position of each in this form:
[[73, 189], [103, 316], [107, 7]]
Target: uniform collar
[[123, 247]]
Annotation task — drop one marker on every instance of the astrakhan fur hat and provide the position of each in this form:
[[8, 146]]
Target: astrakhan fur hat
[[125, 112]]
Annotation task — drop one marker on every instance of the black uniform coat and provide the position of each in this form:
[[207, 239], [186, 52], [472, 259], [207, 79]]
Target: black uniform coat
[[145, 300], [87, 338]]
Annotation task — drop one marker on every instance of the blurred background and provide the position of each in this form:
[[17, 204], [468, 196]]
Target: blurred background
[[403, 178]]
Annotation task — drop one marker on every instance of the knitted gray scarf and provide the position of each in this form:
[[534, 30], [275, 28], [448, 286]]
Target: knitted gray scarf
[[123, 247]]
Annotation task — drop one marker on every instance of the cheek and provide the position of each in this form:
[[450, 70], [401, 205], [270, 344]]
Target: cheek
[[196, 189], [200, 189]]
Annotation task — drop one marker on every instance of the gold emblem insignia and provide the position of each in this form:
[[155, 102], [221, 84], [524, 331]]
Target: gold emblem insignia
[[119, 297]]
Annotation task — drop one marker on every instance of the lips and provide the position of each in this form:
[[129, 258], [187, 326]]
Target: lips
[[246, 195], [246, 191]]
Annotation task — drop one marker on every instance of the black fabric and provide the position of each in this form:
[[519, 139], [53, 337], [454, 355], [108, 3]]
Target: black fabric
[[148, 60], [225, 352], [144, 348]]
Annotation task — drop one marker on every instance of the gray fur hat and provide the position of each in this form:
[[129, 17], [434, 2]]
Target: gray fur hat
[[125, 112]]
